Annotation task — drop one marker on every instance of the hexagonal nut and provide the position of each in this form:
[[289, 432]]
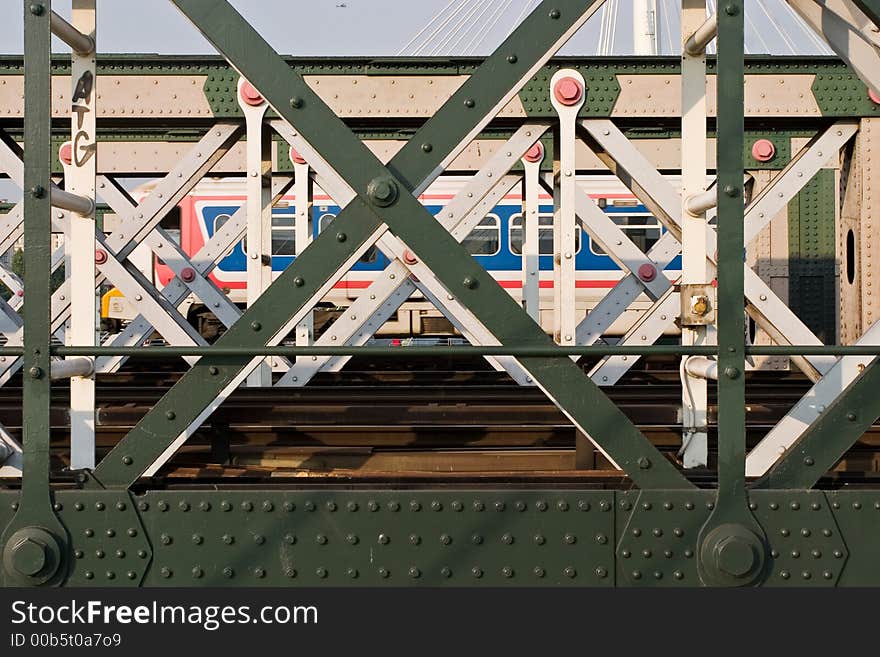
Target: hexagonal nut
[[735, 556], [32, 555], [29, 556]]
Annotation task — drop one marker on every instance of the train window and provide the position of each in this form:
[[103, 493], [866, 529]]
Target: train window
[[545, 234], [485, 238], [325, 219], [283, 235], [171, 224], [643, 229], [219, 220]]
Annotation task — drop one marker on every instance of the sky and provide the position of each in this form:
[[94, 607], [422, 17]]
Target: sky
[[387, 27], [394, 27]]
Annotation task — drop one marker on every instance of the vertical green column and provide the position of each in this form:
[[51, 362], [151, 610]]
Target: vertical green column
[[733, 545], [731, 322], [37, 245], [33, 542]]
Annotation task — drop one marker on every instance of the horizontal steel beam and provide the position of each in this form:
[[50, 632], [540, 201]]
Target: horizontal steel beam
[[463, 351]]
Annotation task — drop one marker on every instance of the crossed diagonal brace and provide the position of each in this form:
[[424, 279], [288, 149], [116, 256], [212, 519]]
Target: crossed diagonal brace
[[386, 198]]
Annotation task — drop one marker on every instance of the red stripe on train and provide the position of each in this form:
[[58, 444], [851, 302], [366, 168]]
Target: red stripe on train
[[595, 284]]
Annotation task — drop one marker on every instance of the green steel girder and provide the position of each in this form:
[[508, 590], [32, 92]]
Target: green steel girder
[[658, 546], [812, 255], [577, 395], [836, 89], [34, 538], [473, 538], [731, 528]]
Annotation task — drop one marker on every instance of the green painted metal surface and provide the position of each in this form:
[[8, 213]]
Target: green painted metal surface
[[812, 252], [35, 524], [536, 538]]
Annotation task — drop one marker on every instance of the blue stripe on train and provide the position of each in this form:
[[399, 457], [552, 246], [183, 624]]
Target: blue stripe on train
[[505, 259]]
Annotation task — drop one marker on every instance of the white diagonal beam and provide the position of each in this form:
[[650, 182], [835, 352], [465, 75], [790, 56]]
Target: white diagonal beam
[[214, 250], [843, 37], [808, 409], [460, 216]]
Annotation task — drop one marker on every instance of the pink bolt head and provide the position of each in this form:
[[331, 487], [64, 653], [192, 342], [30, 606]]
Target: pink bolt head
[[250, 95], [100, 256], [409, 257], [535, 153], [20, 293], [763, 150], [568, 91], [647, 272], [295, 157], [874, 96], [188, 274], [65, 153]]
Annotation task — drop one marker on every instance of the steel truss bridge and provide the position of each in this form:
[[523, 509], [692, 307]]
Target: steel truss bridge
[[746, 136]]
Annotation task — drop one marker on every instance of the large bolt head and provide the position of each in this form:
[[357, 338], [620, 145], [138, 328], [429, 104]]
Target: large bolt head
[[65, 153], [535, 153], [647, 272], [250, 95], [731, 555], [29, 557], [382, 191], [568, 91], [295, 157], [735, 556], [763, 150], [32, 555]]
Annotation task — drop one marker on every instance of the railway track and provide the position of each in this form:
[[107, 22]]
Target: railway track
[[436, 424]]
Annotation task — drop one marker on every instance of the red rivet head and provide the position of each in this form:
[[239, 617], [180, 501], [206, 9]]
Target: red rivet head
[[568, 91], [65, 153], [874, 96], [763, 150], [188, 274], [20, 293], [250, 95], [535, 153], [647, 272], [295, 157], [100, 256], [409, 257]]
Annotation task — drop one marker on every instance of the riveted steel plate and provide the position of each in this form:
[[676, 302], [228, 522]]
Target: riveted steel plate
[[120, 96], [765, 95], [858, 516], [843, 94], [657, 537], [108, 545], [806, 546], [380, 538]]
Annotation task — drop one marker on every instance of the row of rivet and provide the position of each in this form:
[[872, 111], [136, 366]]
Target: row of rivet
[[382, 539], [132, 532], [353, 573], [647, 554], [372, 505]]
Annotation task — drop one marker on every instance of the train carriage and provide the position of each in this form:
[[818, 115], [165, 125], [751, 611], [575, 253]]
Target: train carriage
[[496, 243]]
